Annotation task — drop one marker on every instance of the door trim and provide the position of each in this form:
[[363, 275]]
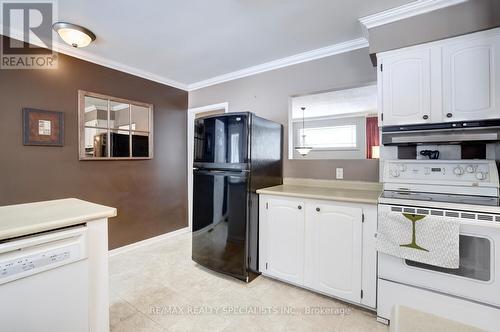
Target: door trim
[[191, 114]]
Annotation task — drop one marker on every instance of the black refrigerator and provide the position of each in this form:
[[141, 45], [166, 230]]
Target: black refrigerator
[[234, 155]]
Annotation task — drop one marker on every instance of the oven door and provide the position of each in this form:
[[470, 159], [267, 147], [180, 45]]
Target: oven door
[[476, 278]]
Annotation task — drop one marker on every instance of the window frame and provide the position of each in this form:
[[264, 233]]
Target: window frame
[[331, 148], [340, 153], [81, 126]]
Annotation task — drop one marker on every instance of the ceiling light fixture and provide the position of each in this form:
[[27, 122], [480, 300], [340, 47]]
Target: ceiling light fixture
[[302, 149], [73, 34]]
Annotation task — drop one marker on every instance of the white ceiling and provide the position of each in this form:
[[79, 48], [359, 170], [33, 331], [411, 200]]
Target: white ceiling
[[187, 41]]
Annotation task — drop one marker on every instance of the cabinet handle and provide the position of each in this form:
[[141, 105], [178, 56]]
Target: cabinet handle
[[299, 207], [425, 117], [449, 115], [318, 209]]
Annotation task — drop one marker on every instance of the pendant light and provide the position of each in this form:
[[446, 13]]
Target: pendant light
[[74, 35], [302, 149]]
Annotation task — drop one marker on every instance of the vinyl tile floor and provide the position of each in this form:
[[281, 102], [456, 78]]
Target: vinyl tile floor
[[159, 288]]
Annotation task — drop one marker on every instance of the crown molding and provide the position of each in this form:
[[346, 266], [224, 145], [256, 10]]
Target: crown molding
[[319, 53], [80, 53], [405, 11]]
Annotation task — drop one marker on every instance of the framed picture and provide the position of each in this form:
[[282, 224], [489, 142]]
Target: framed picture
[[45, 128]]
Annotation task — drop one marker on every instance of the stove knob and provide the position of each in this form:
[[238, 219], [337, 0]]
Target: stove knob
[[480, 176], [395, 172], [470, 169], [458, 170], [402, 167]]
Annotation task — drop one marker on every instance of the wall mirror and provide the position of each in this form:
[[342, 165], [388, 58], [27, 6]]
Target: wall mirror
[[114, 128], [339, 124]]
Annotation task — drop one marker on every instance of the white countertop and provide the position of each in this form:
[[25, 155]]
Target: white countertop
[[356, 192], [24, 219]]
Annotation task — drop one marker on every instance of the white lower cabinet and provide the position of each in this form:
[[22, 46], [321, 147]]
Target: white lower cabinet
[[285, 243], [333, 252], [325, 246]]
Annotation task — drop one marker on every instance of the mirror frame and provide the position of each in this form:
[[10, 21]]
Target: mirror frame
[[81, 125]]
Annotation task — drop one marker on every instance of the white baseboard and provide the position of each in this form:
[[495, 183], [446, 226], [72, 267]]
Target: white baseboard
[[147, 242]]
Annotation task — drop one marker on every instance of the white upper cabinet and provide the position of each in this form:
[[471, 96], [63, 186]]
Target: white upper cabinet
[[471, 70], [334, 256], [406, 90], [284, 240], [450, 80]]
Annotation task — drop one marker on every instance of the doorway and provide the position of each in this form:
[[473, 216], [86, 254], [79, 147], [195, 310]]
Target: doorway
[[194, 113]]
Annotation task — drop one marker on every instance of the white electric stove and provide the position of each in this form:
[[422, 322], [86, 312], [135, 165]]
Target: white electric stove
[[463, 189]]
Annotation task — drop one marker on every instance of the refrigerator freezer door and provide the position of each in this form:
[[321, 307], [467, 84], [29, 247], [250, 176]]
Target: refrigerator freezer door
[[221, 142], [220, 200]]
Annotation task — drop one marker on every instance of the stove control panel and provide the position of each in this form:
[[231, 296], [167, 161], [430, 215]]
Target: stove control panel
[[461, 172]]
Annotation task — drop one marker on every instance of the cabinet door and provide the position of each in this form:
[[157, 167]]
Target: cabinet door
[[334, 250], [406, 88], [284, 239], [471, 72]]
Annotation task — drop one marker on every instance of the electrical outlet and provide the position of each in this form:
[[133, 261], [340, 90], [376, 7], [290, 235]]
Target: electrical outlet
[[339, 173]]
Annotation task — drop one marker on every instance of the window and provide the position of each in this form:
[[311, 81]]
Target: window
[[335, 137], [114, 128], [339, 124], [331, 138]]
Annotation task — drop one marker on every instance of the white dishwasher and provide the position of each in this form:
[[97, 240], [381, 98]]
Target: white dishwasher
[[44, 282]]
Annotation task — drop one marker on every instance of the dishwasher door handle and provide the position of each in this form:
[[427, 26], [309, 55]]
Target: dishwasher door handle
[[23, 257], [43, 240]]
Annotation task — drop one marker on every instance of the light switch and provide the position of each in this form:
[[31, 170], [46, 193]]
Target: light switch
[[339, 173]]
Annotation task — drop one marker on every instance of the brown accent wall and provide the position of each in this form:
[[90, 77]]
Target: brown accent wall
[[150, 195]]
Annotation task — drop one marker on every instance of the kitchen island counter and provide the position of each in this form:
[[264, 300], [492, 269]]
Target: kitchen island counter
[[24, 219]]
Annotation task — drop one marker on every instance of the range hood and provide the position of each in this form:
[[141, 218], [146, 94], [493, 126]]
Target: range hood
[[442, 133]]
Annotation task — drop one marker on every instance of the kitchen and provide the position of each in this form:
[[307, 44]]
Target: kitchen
[[246, 238]]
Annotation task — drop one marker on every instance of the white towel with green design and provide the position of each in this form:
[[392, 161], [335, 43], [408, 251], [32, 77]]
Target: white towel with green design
[[426, 239]]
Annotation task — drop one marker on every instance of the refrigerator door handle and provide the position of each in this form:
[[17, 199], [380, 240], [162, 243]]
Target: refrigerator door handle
[[226, 172], [213, 171]]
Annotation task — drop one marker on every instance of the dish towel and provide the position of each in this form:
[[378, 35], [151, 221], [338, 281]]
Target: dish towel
[[426, 239]]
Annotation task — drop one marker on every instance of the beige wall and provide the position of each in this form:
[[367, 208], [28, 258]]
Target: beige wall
[[464, 18], [267, 94]]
